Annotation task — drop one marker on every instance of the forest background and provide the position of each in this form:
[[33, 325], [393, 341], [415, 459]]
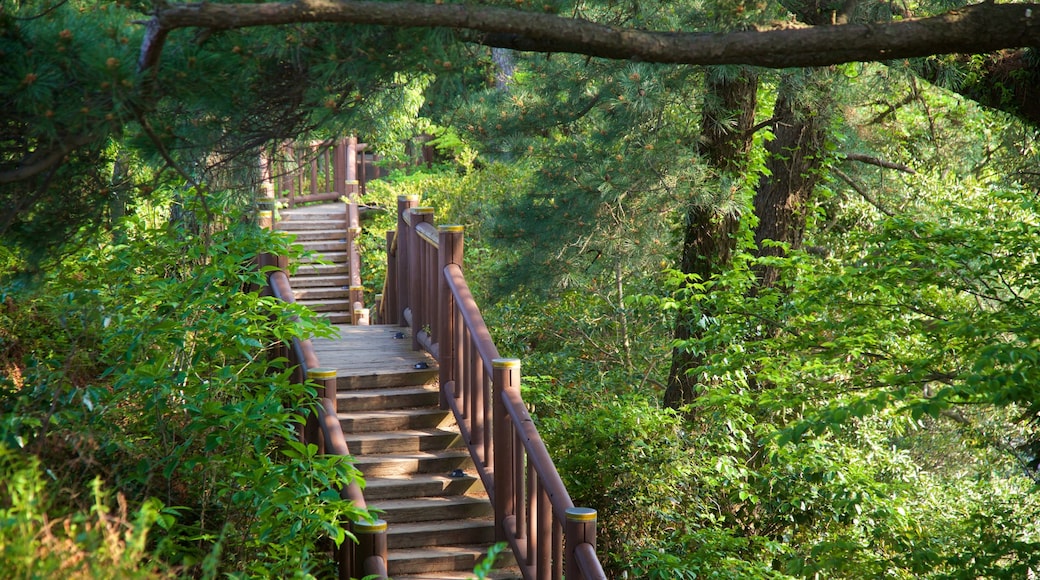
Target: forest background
[[774, 322]]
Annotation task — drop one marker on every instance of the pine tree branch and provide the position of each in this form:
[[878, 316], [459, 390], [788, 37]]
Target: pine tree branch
[[862, 192], [41, 161], [979, 28], [870, 160]]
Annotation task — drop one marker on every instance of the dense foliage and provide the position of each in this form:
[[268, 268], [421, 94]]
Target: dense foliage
[[774, 324], [139, 366]]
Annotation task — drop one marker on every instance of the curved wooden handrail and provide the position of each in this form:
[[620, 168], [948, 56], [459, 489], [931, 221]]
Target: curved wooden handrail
[[588, 563], [533, 511], [471, 315], [336, 444], [302, 354]]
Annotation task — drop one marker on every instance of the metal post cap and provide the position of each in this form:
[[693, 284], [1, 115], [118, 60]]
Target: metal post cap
[[373, 527], [408, 198], [423, 209], [505, 363], [450, 228], [321, 373], [581, 514]]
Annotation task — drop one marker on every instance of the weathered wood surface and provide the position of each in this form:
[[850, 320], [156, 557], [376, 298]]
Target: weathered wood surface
[[371, 356]]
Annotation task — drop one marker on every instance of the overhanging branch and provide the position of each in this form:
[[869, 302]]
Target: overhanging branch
[[980, 28]]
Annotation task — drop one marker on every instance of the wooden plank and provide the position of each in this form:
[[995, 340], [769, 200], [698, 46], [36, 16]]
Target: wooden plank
[[373, 351]]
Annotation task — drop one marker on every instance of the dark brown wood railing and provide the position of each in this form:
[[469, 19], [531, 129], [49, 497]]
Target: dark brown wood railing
[[297, 173], [329, 170], [368, 557], [426, 289]]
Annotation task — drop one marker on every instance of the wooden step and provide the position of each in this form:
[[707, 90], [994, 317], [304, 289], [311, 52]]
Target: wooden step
[[337, 317], [333, 257], [438, 559], [393, 419], [303, 236], [307, 269], [309, 293], [440, 462], [497, 574], [441, 533], [380, 379], [425, 509], [302, 282], [390, 398], [419, 485], [326, 305], [327, 248], [326, 211], [303, 225], [402, 441]]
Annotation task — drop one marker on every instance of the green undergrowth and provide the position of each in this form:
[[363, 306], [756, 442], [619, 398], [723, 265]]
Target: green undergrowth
[[143, 428]]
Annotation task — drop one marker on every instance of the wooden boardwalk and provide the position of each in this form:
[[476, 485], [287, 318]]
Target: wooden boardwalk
[[418, 473], [374, 357]]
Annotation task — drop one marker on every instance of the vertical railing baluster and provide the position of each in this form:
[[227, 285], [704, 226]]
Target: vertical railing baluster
[[557, 550], [390, 306], [531, 507], [312, 161], [416, 262], [519, 480], [504, 463], [545, 526], [404, 242]]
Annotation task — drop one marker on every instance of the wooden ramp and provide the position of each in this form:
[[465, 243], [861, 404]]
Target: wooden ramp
[[416, 468]]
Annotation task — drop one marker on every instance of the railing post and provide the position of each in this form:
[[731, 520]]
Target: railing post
[[357, 301], [325, 381], [371, 538], [339, 166], [390, 307], [580, 529], [351, 167], [404, 242], [506, 375], [312, 162], [449, 238], [417, 215]]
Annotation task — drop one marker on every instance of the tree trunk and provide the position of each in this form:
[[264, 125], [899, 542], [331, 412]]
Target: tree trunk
[[708, 242], [795, 159]]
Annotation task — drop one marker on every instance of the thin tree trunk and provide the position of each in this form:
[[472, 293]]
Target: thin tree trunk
[[708, 237]]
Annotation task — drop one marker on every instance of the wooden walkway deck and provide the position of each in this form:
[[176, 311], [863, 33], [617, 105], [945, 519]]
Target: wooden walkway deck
[[418, 473], [374, 357]]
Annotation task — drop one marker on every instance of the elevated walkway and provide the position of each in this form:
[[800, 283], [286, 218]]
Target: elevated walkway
[[431, 413], [417, 471]]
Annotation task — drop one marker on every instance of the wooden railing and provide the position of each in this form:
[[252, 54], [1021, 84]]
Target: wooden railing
[[368, 557], [426, 289], [305, 172], [331, 169]]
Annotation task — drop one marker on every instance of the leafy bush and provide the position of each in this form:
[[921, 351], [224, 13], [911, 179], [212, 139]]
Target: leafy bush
[[143, 363]]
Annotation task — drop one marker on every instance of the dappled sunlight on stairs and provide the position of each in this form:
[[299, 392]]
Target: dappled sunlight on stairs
[[321, 229], [417, 471]]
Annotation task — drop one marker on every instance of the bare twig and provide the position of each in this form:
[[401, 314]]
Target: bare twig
[[862, 192], [870, 160]]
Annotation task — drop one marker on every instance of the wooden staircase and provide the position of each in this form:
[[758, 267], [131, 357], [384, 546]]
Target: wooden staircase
[[321, 229], [417, 471]]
